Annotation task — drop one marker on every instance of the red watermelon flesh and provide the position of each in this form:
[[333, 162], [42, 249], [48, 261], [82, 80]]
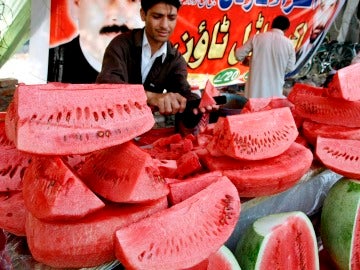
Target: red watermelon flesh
[[183, 235], [209, 92], [306, 89], [262, 104], [223, 259], [345, 83], [63, 119], [167, 167], [13, 163], [181, 190], [254, 178], [13, 212], [87, 242], [53, 192], [257, 135], [124, 173], [279, 241], [340, 155], [328, 110], [311, 130], [187, 164]]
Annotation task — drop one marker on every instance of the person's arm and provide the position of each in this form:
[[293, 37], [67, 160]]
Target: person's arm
[[242, 52], [292, 59]]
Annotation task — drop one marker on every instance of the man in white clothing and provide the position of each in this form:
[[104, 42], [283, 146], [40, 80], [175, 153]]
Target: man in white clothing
[[273, 56]]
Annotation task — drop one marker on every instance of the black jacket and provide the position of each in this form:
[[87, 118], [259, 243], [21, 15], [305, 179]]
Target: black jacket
[[122, 64]]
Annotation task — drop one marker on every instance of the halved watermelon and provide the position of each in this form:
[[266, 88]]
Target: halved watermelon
[[123, 173], [345, 83], [53, 192], [279, 241], [257, 135], [254, 178], [87, 242], [64, 119], [340, 219], [340, 155], [13, 212], [183, 235]]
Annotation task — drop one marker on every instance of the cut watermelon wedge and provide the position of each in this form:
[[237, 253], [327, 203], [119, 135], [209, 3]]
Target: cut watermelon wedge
[[207, 97], [52, 191], [279, 241], [257, 135], [345, 83], [340, 219], [340, 155], [124, 173], [13, 212], [223, 259], [183, 235], [63, 119]]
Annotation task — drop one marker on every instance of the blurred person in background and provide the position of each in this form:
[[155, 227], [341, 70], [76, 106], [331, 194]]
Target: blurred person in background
[[273, 55]]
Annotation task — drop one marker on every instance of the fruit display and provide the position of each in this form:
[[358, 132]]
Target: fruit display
[[86, 181]]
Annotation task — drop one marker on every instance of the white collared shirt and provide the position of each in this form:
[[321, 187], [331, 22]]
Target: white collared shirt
[[147, 60]]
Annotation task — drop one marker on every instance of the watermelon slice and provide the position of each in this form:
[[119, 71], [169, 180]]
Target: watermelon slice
[[63, 119], [254, 178], [223, 259], [311, 130], [340, 155], [87, 242], [279, 241], [13, 163], [124, 173], [340, 219], [13, 212], [327, 110], [345, 83], [183, 235], [53, 192], [207, 97], [257, 135], [181, 190]]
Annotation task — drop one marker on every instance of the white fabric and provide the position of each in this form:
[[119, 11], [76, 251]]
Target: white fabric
[[147, 60], [273, 56]]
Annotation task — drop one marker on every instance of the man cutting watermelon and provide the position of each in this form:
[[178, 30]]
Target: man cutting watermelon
[[146, 56]]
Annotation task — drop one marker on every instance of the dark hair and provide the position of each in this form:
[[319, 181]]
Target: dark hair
[[281, 22], [147, 4]]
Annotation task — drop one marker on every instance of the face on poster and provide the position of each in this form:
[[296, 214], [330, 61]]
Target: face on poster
[[96, 22], [207, 32]]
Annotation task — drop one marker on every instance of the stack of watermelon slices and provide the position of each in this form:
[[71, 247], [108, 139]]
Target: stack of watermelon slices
[[88, 192]]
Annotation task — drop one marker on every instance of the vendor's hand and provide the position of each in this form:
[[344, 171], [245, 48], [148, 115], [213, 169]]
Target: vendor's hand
[[167, 103], [206, 109]]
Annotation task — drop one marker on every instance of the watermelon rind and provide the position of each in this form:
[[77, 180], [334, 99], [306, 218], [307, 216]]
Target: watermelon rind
[[225, 254], [252, 247], [339, 216]]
